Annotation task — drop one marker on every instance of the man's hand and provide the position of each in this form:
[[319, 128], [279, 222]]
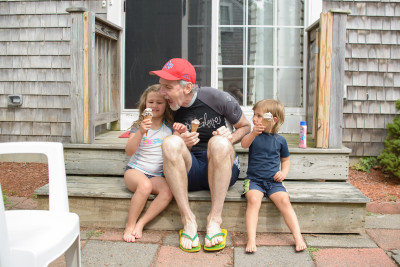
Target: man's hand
[[223, 131], [190, 139]]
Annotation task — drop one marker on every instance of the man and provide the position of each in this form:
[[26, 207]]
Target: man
[[202, 160]]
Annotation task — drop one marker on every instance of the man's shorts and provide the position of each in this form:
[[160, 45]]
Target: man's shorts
[[198, 173], [267, 187]]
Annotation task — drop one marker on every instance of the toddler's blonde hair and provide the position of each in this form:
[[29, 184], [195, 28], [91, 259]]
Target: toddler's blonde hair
[[277, 110]]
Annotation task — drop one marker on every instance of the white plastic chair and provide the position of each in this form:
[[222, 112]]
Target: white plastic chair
[[38, 237]]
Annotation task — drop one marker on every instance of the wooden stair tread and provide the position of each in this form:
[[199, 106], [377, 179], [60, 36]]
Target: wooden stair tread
[[300, 191]]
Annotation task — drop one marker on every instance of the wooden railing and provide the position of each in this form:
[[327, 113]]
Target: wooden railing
[[325, 83], [95, 74]]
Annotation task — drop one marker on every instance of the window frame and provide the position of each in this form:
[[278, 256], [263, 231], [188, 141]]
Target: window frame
[[312, 9]]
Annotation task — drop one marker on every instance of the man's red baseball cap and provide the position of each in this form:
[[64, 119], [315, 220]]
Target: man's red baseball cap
[[177, 69]]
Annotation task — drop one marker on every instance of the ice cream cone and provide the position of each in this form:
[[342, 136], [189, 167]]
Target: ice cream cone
[[195, 125], [147, 114], [267, 118]]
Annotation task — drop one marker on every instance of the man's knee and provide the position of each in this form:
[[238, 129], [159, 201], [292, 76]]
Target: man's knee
[[220, 146], [172, 144]]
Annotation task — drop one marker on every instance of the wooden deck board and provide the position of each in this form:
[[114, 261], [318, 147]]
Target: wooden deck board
[[111, 137], [315, 192], [321, 207]]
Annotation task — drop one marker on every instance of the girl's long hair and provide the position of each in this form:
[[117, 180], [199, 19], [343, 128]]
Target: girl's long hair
[[168, 115], [277, 110]]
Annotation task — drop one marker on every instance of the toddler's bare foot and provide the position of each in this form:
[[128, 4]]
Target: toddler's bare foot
[[300, 244], [138, 231], [251, 246], [128, 234]]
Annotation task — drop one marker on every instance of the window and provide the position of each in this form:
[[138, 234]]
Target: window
[[260, 50]]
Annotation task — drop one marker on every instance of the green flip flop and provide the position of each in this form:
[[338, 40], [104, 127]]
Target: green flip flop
[[221, 245], [194, 249]]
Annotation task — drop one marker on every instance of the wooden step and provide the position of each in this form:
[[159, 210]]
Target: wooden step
[[322, 207], [306, 164]]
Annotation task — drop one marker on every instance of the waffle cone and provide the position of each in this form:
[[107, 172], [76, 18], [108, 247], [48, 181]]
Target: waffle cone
[[147, 117], [264, 122], [194, 127]]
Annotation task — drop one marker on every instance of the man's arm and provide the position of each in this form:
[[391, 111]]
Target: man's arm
[[241, 129]]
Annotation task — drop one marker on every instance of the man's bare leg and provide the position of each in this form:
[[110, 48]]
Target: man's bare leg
[[177, 162], [220, 155]]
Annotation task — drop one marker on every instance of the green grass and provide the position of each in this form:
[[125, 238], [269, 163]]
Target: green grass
[[391, 198], [95, 233], [311, 251], [5, 197], [365, 164]]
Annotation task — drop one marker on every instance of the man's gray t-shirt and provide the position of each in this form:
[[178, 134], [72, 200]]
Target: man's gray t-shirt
[[211, 108]]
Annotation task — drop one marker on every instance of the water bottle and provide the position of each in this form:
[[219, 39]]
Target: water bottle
[[303, 134]]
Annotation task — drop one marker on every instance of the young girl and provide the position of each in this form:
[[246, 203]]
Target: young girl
[[143, 174], [267, 152]]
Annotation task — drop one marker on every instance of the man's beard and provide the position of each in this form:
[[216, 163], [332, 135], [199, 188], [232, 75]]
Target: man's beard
[[175, 107]]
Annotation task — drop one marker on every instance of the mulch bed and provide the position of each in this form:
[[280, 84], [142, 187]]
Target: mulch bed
[[377, 185]]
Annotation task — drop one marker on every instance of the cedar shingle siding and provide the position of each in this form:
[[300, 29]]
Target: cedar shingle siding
[[372, 72], [35, 63]]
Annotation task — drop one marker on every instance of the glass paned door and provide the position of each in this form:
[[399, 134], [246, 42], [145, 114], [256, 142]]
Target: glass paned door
[[159, 30]]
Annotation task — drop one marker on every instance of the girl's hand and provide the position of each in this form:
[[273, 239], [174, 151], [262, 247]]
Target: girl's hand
[[179, 127], [258, 129], [279, 176], [190, 139], [223, 131], [145, 125]]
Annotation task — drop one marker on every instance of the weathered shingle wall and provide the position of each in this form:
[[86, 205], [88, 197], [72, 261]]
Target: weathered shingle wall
[[35, 63], [372, 72]]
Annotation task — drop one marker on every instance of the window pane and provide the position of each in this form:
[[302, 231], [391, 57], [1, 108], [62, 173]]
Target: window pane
[[231, 81], [290, 13], [231, 50], [199, 12], [260, 84], [289, 87], [261, 12], [290, 47], [231, 12], [260, 48], [199, 39], [199, 53]]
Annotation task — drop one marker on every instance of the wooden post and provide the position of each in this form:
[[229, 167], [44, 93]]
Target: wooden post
[[337, 83], [76, 74], [323, 82], [82, 72], [316, 77], [329, 113], [91, 71], [85, 77]]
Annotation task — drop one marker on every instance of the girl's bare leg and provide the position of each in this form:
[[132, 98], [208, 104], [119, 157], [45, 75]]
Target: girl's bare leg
[[136, 182], [282, 202], [163, 198], [254, 198]]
